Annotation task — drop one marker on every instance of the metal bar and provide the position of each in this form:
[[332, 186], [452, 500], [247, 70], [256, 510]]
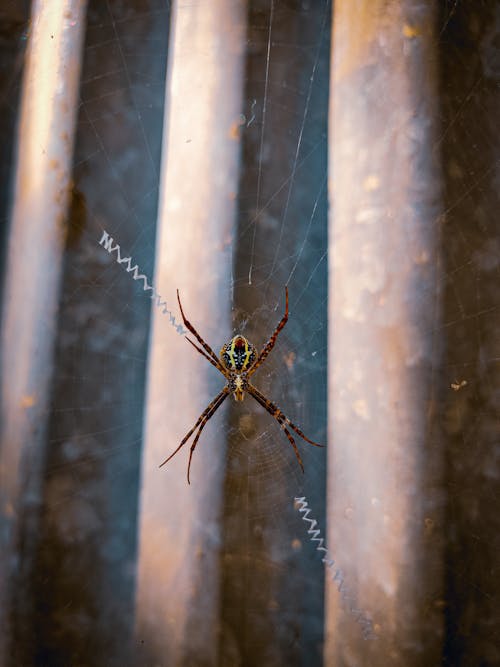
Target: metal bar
[[272, 584], [179, 540], [384, 502], [36, 244], [470, 146]]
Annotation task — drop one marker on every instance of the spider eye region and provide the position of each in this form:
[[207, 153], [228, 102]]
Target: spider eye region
[[238, 354]]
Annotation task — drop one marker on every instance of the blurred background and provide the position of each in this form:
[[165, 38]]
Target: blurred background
[[349, 150]]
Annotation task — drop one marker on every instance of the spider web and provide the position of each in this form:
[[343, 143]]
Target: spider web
[[91, 491]]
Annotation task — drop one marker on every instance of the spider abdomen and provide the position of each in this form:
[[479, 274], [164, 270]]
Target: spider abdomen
[[238, 354]]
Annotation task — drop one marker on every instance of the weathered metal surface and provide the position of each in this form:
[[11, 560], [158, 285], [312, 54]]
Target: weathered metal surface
[[470, 145], [36, 241], [179, 540], [384, 467], [272, 577], [85, 573]]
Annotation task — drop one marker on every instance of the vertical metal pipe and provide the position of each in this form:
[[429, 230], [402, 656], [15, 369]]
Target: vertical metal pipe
[[470, 143], [36, 244], [178, 582], [384, 501], [272, 592]]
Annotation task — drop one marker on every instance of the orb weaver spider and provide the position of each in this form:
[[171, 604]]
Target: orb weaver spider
[[237, 361]]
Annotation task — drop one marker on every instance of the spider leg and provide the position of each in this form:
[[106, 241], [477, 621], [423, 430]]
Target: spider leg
[[295, 448], [278, 414], [270, 343], [263, 402], [217, 405], [214, 404], [217, 366], [200, 340]]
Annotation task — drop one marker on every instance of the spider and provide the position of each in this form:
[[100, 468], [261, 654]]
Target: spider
[[238, 360]]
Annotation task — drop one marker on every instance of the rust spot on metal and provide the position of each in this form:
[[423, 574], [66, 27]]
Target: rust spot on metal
[[77, 216], [371, 183], [457, 385], [411, 31], [360, 408], [28, 401], [422, 258], [429, 525], [235, 130]]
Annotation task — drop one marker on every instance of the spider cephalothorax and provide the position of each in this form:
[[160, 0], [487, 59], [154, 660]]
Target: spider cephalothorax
[[238, 361], [238, 384]]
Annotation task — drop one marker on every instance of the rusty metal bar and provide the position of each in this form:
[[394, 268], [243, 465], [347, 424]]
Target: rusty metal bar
[[179, 541], [35, 249], [384, 503]]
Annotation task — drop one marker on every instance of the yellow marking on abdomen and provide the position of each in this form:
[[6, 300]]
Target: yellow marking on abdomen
[[232, 355]]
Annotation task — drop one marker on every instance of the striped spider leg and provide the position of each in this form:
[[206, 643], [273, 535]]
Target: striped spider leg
[[202, 420], [268, 405], [215, 361], [213, 406], [237, 361], [282, 420], [271, 342]]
